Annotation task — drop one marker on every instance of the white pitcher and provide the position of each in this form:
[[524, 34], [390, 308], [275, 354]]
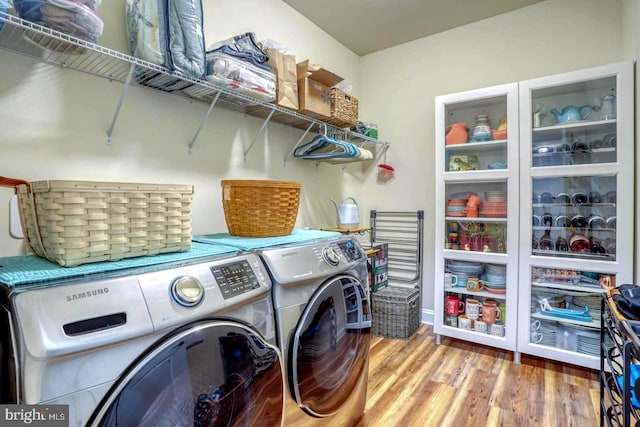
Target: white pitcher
[[347, 213]]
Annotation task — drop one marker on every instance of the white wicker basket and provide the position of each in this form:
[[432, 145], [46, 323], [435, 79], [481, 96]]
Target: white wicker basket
[[79, 222]]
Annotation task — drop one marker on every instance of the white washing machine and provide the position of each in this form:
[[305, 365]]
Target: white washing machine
[[323, 322], [190, 343]]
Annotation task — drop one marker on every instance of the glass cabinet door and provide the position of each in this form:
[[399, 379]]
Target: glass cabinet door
[[577, 187], [574, 217], [476, 135], [477, 216], [575, 124]]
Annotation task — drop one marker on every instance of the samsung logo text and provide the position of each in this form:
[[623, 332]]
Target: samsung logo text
[[87, 294]]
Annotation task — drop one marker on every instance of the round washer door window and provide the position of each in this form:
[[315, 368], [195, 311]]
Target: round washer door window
[[329, 350], [208, 373]]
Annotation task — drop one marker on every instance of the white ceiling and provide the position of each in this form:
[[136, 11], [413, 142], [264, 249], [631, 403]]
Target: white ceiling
[[366, 26]]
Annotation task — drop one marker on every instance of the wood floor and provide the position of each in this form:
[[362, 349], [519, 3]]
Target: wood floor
[[415, 382]]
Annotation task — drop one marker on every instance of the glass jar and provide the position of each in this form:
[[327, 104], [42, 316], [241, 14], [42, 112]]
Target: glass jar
[[482, 129]]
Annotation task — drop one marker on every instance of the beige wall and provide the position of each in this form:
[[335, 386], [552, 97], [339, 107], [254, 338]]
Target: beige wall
[[53, 123], [398, 85]]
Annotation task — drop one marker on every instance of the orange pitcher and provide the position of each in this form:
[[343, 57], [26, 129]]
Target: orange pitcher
[[456, 134]]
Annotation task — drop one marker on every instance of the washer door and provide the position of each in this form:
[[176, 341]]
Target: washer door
[[330, 346], [208, 373]]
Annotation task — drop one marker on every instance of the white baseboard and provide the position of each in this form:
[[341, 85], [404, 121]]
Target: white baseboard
[[427, 317]]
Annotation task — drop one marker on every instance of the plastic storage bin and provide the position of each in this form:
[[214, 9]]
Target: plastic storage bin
[[75, 18], [239, 76]]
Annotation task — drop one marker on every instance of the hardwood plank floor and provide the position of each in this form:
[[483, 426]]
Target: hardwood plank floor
[[415, 382]]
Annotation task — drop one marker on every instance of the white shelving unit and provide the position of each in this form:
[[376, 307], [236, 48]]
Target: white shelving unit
[[43, 44], [500, 230], [576, 216]]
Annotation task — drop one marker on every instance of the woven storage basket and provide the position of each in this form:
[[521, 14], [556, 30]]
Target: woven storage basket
[[260, 208], [396, 312], [344, 109], [80, 222]]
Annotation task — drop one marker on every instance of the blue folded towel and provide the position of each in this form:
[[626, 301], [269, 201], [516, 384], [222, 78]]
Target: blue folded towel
[[248, 243], [27, 269]]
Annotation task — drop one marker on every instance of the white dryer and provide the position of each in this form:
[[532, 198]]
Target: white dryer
[[323, 318], [190, 343]]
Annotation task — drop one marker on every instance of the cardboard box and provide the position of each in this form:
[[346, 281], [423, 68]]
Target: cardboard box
[[314, 89], [378, 267], [284, 67]]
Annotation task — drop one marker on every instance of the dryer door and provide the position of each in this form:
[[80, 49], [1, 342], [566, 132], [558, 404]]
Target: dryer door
[[329, 350], [208, 373]]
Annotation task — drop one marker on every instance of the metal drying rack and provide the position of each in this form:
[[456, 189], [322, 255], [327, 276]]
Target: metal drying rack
[[404, 235]]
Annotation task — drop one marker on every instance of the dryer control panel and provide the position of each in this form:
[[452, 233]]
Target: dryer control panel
[[350, 250]]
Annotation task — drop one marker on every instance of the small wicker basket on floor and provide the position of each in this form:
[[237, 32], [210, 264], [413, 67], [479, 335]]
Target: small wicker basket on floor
[[260, 208], [396, 313], [80, 222]]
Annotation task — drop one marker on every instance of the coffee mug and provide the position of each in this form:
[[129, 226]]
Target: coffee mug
[[490, 312], [535, 325], [481, 326], [450, 279], [465, 322], [473, 308], [451, 321], [536, 337], [453, 305], [472, 211], [607, 281], [462, 280], [474, 284], [497, 329]]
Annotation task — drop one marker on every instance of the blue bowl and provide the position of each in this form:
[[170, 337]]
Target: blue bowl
[[498, 165]]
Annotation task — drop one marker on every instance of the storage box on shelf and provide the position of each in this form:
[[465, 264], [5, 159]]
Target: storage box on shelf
[[314, 89], [344, 109]]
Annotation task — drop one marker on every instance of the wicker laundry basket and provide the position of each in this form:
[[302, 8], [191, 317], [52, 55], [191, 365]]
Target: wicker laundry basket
[[80, 222], [260, 208]]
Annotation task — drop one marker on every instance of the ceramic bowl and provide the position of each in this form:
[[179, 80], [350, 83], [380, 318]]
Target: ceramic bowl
[[497, 165], [579, 243]]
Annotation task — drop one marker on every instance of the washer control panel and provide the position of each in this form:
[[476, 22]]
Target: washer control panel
[[198, 289], [235, 278]]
